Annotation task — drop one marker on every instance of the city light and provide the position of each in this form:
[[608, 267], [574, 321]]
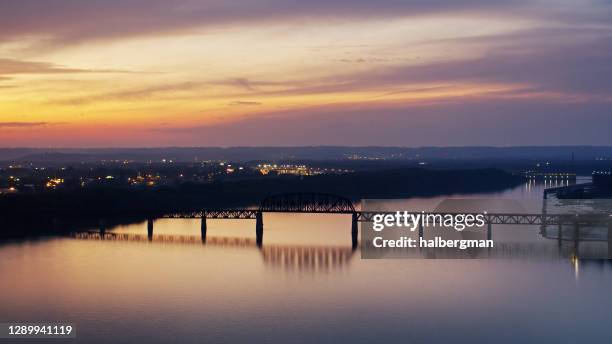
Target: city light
[[54, 183]]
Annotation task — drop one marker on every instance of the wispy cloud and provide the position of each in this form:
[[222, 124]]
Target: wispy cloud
[[25, 124], [244, 102], [187, 89], [497, 121], [15, 67], [552, 60], [12, 66], [67, 21], [132, 94], [249, 84]]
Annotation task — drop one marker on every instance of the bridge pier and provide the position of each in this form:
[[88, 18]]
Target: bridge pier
[[354, 231], [543, 225], [102, 227], [150, 228], [489, 231], [259, 228], [609, 239], [203, 229], [421, 235]]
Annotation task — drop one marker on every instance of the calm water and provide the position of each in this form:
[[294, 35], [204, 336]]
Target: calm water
[[174, 289]]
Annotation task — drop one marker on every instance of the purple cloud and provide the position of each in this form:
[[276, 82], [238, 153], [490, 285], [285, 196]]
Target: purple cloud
[[67, 21], [496, 122], [22, 124]]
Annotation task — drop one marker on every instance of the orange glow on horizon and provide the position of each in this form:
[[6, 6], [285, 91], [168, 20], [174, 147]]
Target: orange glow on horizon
[[153, 88]]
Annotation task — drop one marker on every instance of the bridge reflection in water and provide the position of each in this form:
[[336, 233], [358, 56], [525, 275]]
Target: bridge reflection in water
[[288, 257], [323, 259]]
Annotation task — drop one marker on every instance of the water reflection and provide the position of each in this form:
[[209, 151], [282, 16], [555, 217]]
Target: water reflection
[[317, 258], [231, 242], [287, 257]]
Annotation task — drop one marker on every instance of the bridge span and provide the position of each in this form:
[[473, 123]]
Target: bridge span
[[316, 203]]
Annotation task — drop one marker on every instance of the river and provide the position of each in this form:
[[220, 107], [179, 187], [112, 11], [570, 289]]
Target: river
[[175, 289]]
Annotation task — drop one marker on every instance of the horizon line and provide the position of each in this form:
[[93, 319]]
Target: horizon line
[[309, 146]]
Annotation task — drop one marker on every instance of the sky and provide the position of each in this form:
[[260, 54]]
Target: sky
[[136, 73]]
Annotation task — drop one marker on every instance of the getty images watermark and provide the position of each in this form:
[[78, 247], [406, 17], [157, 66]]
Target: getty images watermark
[[448, 229], [486, 228], [412, 221], [402, 221]]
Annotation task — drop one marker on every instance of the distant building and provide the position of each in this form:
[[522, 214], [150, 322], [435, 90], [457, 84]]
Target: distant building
[[539, 176]]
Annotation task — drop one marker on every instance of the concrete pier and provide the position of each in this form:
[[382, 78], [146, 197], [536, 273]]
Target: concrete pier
[[610, 239], [150, 228], [259, 228], [102, 227], [203, 229], [354, 231]]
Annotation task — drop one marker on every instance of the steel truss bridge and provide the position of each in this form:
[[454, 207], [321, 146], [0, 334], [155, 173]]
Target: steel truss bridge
[[317, 203], [367, 216]]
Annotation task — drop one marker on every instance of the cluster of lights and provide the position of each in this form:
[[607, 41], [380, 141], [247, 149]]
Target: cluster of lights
[[231, 169], [359, 157], [283, 169], [11, 189], [149, 180], [551, 175], [54, 183], [300, 170], [104, 161]]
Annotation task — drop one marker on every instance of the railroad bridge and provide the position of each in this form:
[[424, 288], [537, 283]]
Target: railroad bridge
[[320, 203], [312, 203]]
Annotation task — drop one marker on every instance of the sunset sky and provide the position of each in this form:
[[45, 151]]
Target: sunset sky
[[269, 72]]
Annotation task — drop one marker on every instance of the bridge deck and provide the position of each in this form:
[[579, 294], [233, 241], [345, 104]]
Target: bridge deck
[[367, 216]]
